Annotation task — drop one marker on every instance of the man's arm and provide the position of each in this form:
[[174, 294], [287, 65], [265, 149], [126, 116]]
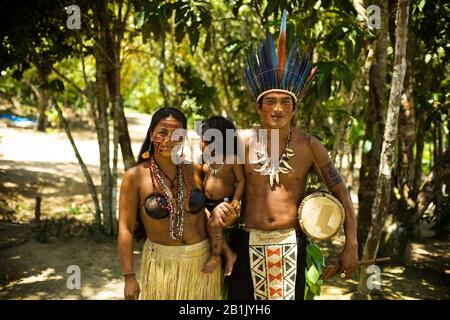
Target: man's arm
[[334, 182]]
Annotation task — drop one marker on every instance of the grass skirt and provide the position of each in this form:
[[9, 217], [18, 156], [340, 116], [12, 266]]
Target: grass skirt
[[174, 273]]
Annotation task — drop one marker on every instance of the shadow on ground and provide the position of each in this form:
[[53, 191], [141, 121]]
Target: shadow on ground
[[40, 271]]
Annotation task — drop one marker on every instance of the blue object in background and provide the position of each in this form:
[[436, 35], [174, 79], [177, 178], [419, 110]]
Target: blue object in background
[[16, 118]]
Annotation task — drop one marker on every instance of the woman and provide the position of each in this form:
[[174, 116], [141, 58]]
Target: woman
[[167, 203]]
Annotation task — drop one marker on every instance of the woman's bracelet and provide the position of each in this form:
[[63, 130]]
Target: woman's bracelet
[[128, 274]]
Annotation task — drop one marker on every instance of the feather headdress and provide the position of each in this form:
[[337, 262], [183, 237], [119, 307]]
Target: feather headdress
[[269, 70]]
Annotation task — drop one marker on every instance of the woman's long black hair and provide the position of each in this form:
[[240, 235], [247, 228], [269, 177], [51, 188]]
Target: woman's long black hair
[[147, 145]]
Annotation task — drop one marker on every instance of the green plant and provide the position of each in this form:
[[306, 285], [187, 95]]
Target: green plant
[[315, 263]]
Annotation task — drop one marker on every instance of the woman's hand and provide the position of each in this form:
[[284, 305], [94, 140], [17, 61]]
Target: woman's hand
[[226, 213], [132, 288]]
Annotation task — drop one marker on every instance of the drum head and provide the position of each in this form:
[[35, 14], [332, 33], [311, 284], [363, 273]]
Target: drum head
[[321, 216]]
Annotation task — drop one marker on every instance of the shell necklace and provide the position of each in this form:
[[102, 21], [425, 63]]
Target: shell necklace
[[267, 168], [214, 171]]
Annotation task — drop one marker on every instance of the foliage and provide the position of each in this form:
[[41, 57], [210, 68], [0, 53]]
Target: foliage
[[205, 45], [315, 264]]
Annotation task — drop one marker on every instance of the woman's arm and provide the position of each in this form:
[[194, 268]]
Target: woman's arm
[[128, 210]]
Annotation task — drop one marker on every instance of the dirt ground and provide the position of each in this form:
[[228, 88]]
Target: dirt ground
[[31, 267]]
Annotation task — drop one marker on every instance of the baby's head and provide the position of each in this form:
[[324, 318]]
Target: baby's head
[[221, 124]]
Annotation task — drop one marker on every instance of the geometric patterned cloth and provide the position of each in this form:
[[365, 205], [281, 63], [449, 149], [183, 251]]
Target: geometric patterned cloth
[[273, 263]]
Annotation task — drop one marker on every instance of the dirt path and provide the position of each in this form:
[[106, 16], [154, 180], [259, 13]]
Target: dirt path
[[33, 163]]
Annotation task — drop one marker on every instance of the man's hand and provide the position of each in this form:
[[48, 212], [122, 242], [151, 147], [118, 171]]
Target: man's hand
[[227, 214], [349, 260]]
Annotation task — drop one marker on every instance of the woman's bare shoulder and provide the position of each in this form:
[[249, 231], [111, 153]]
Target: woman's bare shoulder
[[135, 172]]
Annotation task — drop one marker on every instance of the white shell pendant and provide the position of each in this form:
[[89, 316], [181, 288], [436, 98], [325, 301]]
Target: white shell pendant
[[267, 168]]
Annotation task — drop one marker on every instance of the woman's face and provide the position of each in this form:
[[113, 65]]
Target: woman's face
[[162, 136]]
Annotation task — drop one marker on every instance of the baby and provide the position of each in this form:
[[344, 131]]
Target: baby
[[223, 182]]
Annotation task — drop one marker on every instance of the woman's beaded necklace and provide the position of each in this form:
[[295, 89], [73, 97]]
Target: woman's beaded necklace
[[174, 206]]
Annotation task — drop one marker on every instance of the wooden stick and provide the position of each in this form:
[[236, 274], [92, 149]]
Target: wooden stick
[[374, 261], [332, 270]]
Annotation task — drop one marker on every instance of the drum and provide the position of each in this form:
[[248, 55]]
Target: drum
[[321, 216]]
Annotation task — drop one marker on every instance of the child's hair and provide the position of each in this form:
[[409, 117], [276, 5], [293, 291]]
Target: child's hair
[[221, 124]]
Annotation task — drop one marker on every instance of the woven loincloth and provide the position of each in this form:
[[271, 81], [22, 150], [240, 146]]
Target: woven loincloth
[[273, 263]]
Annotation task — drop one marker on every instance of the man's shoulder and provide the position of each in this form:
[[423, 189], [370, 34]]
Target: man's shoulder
[[300, 137]]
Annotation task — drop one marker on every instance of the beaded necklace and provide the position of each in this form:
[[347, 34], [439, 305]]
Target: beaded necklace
[[174, 206]]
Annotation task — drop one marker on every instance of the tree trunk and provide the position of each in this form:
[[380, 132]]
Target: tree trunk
[[405, 213], [124, 135], [85, 170], [101, 61], [448, 129], [374, 127], [173, 49], [116, 136], [42, 120], [352, 163], [114, 85], [162, 67], [420, 142], [42, 98], [382, 198]]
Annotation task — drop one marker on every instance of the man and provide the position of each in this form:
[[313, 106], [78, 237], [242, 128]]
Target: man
[[271, 246]]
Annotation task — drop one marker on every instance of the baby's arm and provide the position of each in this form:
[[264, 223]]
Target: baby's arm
[[238, 170]]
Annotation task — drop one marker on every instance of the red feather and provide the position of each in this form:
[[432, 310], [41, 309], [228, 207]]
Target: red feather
[[281, 50]]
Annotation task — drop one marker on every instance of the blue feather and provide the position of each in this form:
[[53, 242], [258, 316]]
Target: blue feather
[[288, 63], [291, 73], [273, 56], [268, 68]]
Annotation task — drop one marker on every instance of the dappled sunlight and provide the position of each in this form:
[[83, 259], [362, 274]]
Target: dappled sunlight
[[48, 274], [39, 271], [32, 270]]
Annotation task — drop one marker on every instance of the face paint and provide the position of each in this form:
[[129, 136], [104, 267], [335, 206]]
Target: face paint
[[277, 109], [162, 135]]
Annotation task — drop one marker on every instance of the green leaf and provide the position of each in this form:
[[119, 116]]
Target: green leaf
[[349, 52], [207, 45], [314, 251], [326, 4], [194, 36], [367, 146], [346, 76], [324, 85], [270, 8], [421, 5], [179, 32], [308, 295], [236, 7], [345, 5], [312, 274], [359, 41], [180, 13], [57, 85]]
